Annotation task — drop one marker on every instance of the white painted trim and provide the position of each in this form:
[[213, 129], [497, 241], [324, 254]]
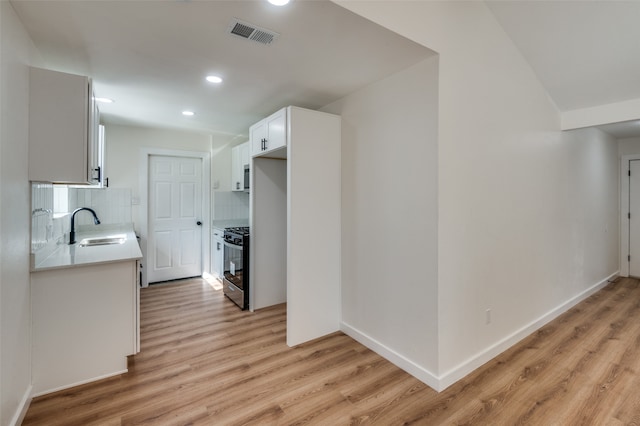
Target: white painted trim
[[601, 114], [624, 209], [440, 383], [392, 356], [21, 411], [145, 153], [83, 382], [466, 367]]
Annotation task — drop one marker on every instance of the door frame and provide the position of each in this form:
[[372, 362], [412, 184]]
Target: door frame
[[624, 210], [205, 157]]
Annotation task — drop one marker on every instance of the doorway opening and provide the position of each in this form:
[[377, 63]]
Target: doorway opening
[[175, 188]]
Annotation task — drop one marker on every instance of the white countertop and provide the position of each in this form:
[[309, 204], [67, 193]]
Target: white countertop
[[69, 256]]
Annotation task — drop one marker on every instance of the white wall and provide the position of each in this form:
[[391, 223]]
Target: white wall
[[389, 214], [123, 145], [527, 214], [628, 146], [268, 270], [15, 304]]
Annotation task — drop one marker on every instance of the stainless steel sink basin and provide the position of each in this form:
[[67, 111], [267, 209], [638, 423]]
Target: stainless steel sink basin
[[102, 241]]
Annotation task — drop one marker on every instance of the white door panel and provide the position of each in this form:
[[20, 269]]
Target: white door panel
[[162, 250], [162, 205], [187, 200], [175, 207], [188, 256]]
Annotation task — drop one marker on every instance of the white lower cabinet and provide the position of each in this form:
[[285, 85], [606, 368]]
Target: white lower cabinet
[[85, 323], [217, 253]]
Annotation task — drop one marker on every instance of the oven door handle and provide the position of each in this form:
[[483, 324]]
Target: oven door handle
[[228, 244]]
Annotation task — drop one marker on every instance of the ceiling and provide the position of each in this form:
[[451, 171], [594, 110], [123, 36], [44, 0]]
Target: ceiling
[[152, 57], [585, 53]]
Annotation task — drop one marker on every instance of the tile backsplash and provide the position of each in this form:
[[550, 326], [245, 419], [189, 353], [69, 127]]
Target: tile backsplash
[[230, 205], [51, 205], [41, 214], [50, 220], [112, 205]]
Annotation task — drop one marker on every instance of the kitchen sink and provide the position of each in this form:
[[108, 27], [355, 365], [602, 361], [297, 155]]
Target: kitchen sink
[[102, 241]]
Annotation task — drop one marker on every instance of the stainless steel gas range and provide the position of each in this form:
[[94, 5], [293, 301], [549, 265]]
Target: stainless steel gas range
[[236, 265]]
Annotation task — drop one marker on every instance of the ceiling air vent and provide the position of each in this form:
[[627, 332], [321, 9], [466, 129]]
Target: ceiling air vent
[[252, 32]]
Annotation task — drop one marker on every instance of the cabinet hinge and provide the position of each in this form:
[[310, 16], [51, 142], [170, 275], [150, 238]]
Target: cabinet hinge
[[629, 172], [628, 215], [629, 258]]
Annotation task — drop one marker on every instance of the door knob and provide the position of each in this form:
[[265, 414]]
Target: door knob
[[198, 223]]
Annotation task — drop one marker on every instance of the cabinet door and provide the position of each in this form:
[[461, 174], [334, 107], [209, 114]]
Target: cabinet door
[[58, 127], [237, 172], [257, 135], [96, 147], [84, 323], [102, 157], [217, 256], [269, 135], [276, 130], [244, 154]]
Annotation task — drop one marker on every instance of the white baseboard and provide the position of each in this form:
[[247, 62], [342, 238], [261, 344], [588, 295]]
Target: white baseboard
[[83, 382], [21, 411], [466, 367], [394, 357], [440, 383]]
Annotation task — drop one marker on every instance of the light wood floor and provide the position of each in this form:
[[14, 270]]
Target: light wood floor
[[205, 362]]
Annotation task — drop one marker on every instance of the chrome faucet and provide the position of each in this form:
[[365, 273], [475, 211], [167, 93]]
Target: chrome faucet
[[72, 234]]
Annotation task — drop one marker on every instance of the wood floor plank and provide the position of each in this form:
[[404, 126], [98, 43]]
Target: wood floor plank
[[205, 362]]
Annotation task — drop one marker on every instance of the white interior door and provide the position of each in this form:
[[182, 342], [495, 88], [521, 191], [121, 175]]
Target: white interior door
[[175, 212], [634, 218]]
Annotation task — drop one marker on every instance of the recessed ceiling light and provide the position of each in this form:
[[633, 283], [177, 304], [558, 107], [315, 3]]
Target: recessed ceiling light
[[214, 79], [278, 2], [104, 100], [188, 113]]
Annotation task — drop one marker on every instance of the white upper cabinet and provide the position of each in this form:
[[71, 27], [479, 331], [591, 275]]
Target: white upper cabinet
[[100, 165], [63, 129], [269, 136], [239, 160]]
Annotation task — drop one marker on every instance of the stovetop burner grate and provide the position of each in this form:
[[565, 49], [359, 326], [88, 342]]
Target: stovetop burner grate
[[239, 230]]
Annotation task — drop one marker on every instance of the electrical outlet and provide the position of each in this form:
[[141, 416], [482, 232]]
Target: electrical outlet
[[488, 316]]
